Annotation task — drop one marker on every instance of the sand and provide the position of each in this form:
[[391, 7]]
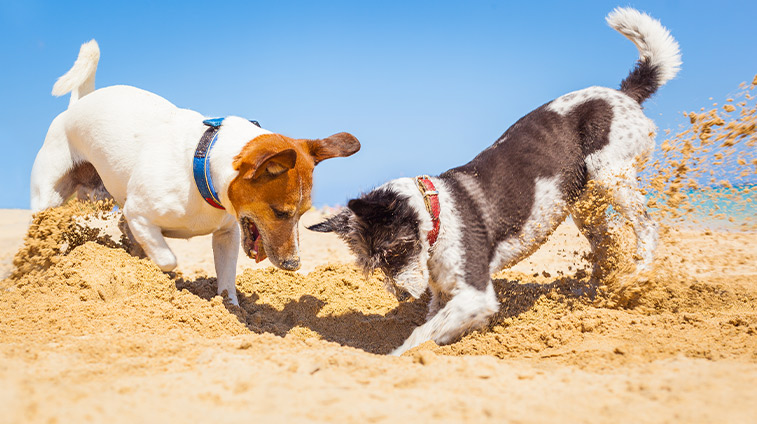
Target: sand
[[89, 333], [100, 335]]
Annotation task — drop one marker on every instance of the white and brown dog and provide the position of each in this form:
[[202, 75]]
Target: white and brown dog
[[450, 233], [176, 176]]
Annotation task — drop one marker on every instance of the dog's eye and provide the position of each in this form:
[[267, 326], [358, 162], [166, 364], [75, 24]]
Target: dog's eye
[[279, 214]]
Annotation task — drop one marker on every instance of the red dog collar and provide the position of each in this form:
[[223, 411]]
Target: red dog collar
[[431, 199]]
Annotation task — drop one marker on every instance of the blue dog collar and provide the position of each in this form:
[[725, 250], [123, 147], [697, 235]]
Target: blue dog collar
[[201, 162]]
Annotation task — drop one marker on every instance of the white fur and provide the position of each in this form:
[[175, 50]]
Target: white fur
[[80, 79], [414, 278], [651, 38], [547, 212], [440, 267], [447, 256], [142, 147], [468, 309]]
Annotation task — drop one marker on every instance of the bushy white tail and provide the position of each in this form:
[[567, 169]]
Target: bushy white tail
[[80, 79], [659, 55]]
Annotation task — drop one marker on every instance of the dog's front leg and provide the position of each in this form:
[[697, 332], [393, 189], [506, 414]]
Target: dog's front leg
[[468, 309], [225, 252], [438, 299], [150, 237]]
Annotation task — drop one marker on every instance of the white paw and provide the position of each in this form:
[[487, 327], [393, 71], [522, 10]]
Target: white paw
[[230, 293], [166, 263]]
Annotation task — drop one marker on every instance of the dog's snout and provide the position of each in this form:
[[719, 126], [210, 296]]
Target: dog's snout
[[291, 264]]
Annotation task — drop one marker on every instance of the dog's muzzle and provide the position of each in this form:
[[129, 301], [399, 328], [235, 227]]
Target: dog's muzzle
[[291, 265]]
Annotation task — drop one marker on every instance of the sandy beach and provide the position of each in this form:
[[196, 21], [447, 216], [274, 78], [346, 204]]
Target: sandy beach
[[99, 335]]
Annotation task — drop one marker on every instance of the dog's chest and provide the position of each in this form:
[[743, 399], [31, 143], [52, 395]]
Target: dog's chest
[[196, 225]]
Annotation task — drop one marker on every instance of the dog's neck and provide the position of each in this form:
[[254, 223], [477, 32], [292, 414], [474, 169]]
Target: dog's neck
[[449, 226], [445, 259], [234, 134]]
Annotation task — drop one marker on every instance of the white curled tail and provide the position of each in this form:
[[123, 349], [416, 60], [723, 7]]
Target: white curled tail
[[80, 79], [659, 55]]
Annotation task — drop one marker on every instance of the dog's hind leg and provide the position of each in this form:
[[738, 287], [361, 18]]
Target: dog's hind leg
[[150, 237], [51, 180], [631, 204], [626, 197], [468, 309], [589, 213]]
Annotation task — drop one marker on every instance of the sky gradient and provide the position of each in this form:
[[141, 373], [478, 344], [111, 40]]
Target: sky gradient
[[423, 85]]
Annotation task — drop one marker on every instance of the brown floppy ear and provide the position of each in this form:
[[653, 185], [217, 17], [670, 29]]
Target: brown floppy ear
[[338, 145], [272, 164]]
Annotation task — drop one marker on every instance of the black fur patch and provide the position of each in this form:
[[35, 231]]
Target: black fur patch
[[642, 82], [380, 227]]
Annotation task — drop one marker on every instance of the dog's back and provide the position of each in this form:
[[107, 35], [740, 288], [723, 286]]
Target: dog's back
[[122, 128], [107, 130], [541, 165], [114, 129]]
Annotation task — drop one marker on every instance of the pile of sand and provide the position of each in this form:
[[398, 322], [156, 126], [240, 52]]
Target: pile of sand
[[80, 282]]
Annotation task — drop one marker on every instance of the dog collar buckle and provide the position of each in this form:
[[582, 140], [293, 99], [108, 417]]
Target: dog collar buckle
[[431, 200]]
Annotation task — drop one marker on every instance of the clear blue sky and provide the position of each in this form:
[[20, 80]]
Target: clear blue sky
[[424, 85]]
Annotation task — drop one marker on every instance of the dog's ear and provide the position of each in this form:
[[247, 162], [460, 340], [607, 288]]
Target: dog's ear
[[338, 145], [361, 207], [338, 223], [374, 211], [270, 164]]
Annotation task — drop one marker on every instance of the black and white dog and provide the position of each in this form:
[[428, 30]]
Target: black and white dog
[[450, 233]]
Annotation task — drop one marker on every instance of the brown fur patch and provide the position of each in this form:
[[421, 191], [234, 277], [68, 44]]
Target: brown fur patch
[[275, 177], [274, 184]]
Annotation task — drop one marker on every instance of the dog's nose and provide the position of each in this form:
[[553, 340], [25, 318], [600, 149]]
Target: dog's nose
[[402, 295], [291, 264]]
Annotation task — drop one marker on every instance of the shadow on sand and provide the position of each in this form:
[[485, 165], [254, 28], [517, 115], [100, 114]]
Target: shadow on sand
[[374, 333]]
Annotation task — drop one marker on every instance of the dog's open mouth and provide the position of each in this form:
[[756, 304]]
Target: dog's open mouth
[[252, 243]]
